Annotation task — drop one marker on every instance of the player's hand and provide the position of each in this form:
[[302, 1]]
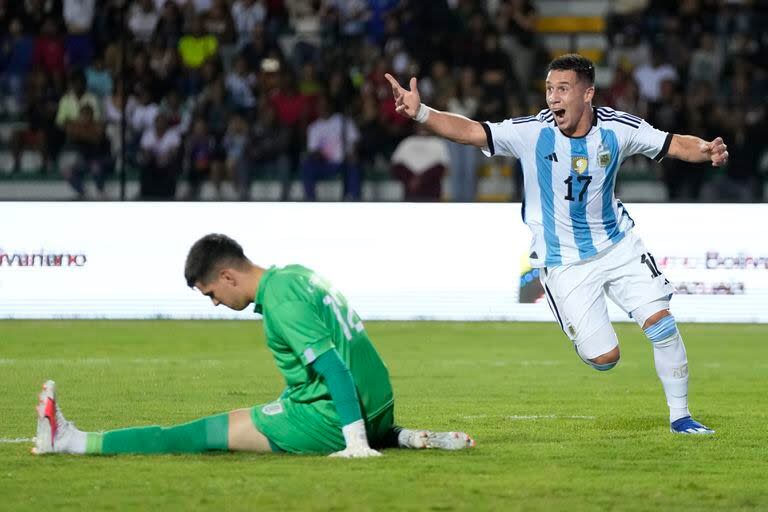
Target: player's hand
[[358, 452], [406, 102], [716, 150]]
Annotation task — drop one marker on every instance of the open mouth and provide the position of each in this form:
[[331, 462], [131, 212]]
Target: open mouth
[[559, 113]]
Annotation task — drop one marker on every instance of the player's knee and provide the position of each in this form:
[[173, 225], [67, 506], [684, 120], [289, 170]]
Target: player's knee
[[600, 349], [650, 313], [607, 361]]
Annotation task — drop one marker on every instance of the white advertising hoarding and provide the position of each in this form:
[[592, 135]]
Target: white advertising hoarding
[[392, 260]]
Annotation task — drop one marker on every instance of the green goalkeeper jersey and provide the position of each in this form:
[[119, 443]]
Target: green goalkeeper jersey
[[304, 316]]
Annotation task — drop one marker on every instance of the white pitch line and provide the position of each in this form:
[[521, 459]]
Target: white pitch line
[[13, 440], [531, 417], [549, 417]]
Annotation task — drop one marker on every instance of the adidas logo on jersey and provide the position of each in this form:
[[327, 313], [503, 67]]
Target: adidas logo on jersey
[[552, 157]]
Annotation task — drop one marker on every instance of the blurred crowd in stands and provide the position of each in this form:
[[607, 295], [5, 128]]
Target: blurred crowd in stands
[[231, 91]]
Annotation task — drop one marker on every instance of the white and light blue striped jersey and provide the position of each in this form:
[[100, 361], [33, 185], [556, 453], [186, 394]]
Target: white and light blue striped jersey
[[569, 201]]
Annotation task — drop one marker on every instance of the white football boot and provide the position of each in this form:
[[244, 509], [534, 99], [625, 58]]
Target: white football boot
[[54, 432], [420, 439], [449, 440]]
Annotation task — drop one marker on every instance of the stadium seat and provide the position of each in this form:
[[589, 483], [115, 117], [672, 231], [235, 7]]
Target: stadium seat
[[592, 45], [6, 162], [67, 159], [574, 7], [494, 181], [31, 161], [8, 127], [570, 24], [594, 54]]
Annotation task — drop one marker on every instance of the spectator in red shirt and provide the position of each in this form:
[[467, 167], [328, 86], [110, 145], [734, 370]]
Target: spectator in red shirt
[[49, 52], [294, 111], [290, 105]]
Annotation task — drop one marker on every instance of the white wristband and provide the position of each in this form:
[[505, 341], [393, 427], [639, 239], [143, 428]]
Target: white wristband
[[354, 434], [423, 113]]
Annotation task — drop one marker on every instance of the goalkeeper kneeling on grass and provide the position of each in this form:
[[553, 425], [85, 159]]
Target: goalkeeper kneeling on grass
[[338, 398]]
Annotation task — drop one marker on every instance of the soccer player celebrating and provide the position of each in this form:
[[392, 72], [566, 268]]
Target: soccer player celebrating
[[582, 235], [338, 398]]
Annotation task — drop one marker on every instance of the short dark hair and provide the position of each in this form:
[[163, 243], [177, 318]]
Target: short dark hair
[[208, 255], [583, 67]]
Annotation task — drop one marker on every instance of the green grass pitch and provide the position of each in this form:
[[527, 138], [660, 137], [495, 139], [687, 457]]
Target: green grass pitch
[[552, 433]]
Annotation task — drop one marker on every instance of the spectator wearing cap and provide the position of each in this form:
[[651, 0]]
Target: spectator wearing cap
[[269, 147], [259, 47]]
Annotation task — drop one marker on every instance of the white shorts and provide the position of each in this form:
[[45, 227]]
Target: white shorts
[[626, 272]]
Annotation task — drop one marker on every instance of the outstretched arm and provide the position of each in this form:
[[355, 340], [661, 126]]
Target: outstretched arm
[[451, 126], [694, 149]]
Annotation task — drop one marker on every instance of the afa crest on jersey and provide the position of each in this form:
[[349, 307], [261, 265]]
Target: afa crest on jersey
[[579, 164], [603, 157]]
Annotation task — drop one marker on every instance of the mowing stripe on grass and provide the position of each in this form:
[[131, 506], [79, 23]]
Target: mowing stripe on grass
[[517, 417], [111, 360]]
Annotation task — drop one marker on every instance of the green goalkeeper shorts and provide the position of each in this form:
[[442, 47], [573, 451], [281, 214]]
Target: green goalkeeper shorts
[[312, 428]]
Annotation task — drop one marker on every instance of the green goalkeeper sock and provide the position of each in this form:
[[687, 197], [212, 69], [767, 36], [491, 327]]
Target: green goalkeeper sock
[[197, 436]]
